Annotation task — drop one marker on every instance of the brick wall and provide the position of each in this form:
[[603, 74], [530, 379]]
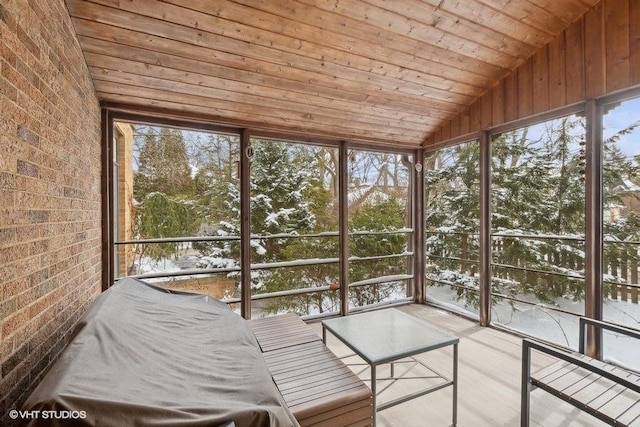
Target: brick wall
[[50, 258]]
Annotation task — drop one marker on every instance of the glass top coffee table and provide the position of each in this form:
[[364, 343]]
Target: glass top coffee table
[[388, 335]]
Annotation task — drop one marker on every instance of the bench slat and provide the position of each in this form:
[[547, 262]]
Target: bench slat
[[620, 403], [631, 416], [281, 331], [320, 390], [589, 391]]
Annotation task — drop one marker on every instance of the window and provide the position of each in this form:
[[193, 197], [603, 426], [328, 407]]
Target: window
[[451, 227], [380, 227], [294, 228], [621, 225], [537, 216], [175, 226]]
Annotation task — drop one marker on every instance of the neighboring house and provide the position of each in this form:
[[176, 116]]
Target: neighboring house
[[629, 193]]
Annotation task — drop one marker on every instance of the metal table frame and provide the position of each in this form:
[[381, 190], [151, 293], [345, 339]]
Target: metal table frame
[[387, 347]]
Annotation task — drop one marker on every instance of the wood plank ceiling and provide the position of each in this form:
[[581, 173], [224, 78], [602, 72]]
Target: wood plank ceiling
[[382, 71]]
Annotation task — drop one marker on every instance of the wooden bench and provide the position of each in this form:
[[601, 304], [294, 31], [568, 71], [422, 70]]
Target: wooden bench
[[606, 391], [320, 390]]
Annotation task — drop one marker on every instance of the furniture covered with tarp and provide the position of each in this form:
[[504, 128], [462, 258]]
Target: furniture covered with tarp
[[147, 356]]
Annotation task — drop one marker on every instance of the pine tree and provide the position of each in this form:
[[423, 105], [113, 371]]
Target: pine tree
[[385, 215], [164, 189], [536, 189], [163, 165], [281, 182], [452, 217], [218, 169]]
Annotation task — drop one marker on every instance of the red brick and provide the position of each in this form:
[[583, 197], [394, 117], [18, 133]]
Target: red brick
[[24, 134], [12, 323], [28, 42], [6, 17], [7, 89]]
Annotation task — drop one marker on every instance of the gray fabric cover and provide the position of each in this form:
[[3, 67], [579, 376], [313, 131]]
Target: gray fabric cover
[[146, 356]]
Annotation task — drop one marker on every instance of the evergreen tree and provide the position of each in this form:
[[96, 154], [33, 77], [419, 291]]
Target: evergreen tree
[[452, 218], [537, 190], [162, 216], [386, 215], [319, 195], [280, 186], [540, 193], [619, 173], [163, 165], [218, 170], [163, 189]]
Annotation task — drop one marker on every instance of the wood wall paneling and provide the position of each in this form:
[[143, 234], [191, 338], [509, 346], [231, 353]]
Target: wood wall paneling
[[486, 110], [455, 126], [446, 131], [597, 54], [437, 136], [634, 41], [497, 95], [541, 80], [575, 62], [595, 81], [474, 116], [617, 44], [525, 89], [465, 121], [510, 98], [557, 72]]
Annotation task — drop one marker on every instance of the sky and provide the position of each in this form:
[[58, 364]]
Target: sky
[[620, 117]]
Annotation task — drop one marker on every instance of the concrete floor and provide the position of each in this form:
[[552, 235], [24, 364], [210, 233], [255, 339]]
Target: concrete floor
[[489, 381]]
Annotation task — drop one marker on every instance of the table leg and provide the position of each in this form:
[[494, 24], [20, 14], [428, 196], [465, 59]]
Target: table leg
[[455, 384], [373, 393], [324, 335], [392, 370]]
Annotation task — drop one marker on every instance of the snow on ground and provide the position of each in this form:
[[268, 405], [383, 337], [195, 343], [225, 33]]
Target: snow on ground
[[148, 265], [558, 327]]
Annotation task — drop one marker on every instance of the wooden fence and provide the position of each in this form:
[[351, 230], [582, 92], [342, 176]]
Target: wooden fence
[[620, 264]]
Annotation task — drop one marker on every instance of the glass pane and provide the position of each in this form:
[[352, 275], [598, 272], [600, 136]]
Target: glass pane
[[294, 228], [379, 227], [621, 223], [537, 193], [451, 227], [175, 224]]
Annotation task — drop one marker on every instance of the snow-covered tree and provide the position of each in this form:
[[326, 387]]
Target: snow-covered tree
[[537, 189], [452, 216], [163, 189], [163, 165], [217, 171], [281, 183], [385, 215]]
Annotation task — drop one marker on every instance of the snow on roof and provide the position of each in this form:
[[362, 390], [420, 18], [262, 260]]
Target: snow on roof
[[629, 185]]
